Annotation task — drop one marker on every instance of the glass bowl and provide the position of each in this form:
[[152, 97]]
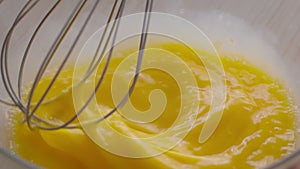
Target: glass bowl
[[275, 23]]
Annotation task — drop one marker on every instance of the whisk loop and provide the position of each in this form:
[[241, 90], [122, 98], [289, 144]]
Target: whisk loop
[[27, 106]]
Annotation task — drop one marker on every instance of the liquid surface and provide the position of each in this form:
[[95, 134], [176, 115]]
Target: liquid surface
[[257, 127]]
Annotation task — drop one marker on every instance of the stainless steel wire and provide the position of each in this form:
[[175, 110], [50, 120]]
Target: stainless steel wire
[[109, 35]]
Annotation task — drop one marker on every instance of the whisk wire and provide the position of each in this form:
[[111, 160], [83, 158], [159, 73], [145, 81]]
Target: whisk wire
[[17, 102], [142, 45], [49, 57], [114, 33], [93, 65], [22, 65], [108, 36], [4, 54]]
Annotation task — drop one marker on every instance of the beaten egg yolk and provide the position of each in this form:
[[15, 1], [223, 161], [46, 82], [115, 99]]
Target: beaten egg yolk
[[257, 127]]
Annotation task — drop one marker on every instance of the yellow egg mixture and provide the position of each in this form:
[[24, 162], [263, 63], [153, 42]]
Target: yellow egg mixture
[[257, 127]]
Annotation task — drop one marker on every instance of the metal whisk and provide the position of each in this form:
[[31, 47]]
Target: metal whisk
[[109, 35]]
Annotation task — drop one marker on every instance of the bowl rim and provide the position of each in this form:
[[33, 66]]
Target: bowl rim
[[16, 160], [288, 161]]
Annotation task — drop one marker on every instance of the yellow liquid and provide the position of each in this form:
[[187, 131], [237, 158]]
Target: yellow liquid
[[257, 127]]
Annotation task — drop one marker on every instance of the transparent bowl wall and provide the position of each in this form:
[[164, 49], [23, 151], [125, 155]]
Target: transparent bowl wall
[[276, 21]]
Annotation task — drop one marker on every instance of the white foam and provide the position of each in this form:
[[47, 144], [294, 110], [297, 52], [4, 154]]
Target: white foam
[[233, 37]]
